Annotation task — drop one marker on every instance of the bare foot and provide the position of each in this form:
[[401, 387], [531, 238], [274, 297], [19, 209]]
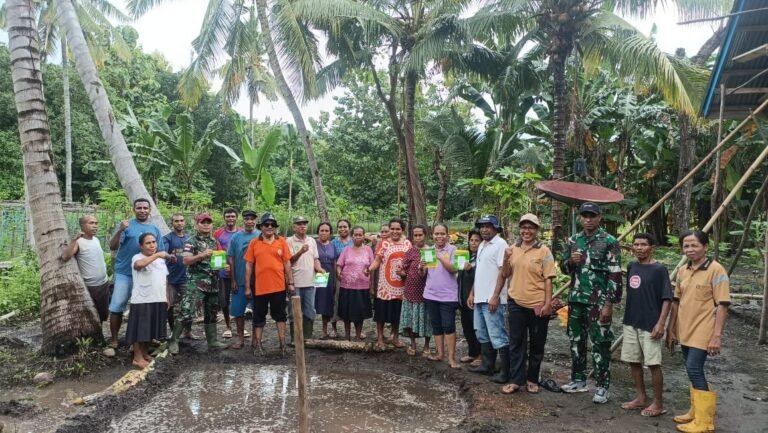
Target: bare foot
[[636, 404], [141, 364], [147, 358], [237, 345]]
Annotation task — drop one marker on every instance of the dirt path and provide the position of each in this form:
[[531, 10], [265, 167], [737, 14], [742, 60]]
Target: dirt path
[[740, 375]]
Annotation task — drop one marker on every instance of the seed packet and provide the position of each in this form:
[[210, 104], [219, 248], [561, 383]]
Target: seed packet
[[460, 257], [429, 257], [218, 260], [321, 279]]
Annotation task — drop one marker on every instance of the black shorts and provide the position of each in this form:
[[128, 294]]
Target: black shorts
[[275, 303], [100, 296]]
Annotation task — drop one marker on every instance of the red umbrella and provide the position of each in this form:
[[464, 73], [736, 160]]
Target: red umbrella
[[577, 193]]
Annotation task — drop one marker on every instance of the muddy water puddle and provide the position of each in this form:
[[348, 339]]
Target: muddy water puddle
[[41, 410], [250, 398]]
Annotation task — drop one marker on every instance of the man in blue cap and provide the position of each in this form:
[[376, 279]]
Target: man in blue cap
[[593, 260], [489, 300]]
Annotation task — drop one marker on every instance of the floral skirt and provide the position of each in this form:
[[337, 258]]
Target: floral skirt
[[413, 316]]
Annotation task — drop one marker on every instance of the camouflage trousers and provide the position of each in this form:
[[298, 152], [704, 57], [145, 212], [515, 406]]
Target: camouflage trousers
[[583, 323], [193, 295]]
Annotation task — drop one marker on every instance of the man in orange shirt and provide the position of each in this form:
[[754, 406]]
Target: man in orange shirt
[[270, 255]]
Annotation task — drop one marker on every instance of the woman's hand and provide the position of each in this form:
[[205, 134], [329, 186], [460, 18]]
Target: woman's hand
[[671, 340], [713, 348]]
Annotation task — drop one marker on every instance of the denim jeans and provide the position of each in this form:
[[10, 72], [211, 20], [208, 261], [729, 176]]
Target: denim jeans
[[307, 295], [490, 327], [694, 364]]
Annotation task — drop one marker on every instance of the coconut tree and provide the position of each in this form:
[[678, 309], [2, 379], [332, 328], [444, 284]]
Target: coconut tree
[[285, 38], [110, 129], [66, 309]]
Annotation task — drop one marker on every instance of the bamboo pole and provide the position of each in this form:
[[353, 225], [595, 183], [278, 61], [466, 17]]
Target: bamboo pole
[[695, 169], [301, 367]]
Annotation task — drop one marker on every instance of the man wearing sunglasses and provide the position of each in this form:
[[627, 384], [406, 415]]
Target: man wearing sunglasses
[[267, 276]]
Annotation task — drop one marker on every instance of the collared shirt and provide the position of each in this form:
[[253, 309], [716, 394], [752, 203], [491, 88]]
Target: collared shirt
[[441, 285], [304, 266], [238, 245], [268, 260], [531, 268], [490, 259], [700, 290], [597, 279]]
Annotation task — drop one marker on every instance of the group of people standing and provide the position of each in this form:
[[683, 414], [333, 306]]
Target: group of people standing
[[502, 291]]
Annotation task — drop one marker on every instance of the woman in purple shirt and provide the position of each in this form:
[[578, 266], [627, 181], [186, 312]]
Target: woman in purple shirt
[[441, 296]]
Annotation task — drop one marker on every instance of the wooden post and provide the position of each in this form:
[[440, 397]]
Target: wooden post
[[301, 367], [761, 335]]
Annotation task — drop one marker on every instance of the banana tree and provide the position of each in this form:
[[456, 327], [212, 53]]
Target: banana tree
[[255, 161], [187, 155]]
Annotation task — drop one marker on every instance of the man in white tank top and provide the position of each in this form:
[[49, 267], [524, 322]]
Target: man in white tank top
[[86, 248]]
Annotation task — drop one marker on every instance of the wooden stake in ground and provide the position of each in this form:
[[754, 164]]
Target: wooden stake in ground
[[761, 336], [301, 367]]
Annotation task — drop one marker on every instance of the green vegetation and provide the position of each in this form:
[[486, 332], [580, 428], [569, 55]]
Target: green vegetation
[[20, 286]]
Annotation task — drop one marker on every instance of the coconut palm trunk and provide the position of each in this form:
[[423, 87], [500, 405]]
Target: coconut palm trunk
[[66, 309], [417, 205], [560, 123], [293, 107], [121, 157], [67, 120]]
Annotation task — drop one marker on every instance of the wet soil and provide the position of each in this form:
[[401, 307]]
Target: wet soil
[[739, 375]]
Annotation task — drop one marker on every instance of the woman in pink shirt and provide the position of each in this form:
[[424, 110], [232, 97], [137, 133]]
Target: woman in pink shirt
[[441, 295], [354, 281]]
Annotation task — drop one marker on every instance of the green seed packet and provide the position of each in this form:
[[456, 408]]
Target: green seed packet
[[429, 257], [460, 257], [321, 279], [218, 260]]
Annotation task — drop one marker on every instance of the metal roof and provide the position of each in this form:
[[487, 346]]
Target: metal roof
[[742, 64]]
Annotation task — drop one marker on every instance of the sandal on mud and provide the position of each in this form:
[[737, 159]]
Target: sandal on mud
[[532, 388], [476, 363], [550, 385], [227, 333], [648, 412], [510, 388], [246, 334]]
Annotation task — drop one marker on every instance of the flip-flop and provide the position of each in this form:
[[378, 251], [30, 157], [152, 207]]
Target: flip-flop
[[550, 385], [510, 388], [246, 333], [633, 406], [650, 413], [227, 333]]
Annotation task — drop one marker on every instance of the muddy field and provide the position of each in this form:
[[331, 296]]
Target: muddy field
[[388, 392]]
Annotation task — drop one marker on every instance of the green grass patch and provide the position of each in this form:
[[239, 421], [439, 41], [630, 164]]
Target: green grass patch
[[20, 286]]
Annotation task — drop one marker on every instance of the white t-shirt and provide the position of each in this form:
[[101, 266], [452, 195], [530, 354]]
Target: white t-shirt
[[490, 259], [304, 268], [149, 283], [90, 260]]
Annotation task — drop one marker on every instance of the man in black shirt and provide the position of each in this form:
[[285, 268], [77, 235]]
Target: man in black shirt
[[649, 295]]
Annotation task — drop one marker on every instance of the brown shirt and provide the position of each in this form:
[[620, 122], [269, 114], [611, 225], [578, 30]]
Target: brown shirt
[[531, 267], [699, 291]]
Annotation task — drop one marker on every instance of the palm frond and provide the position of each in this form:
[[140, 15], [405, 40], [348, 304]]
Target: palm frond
[[686, 9], [138, 8], [297, 47], [108, 10]]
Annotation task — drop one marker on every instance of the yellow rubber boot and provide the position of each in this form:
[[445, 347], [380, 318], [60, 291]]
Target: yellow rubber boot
[[705, 404], [686, 417]]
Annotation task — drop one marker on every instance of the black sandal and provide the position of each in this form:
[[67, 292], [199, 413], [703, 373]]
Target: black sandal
[[550, 385]]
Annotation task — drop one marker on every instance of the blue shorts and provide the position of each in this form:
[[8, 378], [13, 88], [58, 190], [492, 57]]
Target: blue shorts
[[121, 293], [238, 302], [490, 327]]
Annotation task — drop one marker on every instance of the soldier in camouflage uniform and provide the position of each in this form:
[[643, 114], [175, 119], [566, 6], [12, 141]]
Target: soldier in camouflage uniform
[[200, 288], [593, 260]]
